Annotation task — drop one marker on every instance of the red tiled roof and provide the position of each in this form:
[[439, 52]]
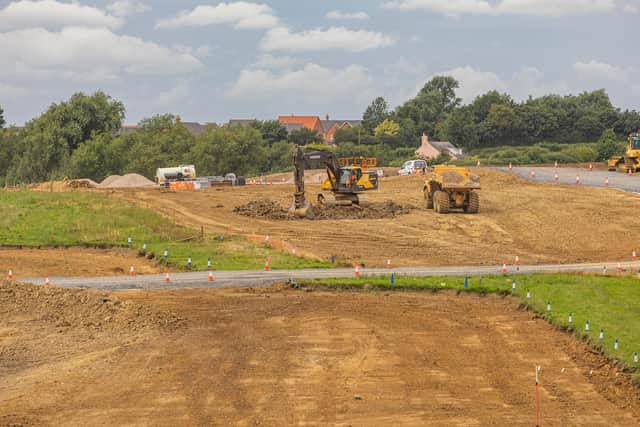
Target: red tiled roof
[[310, 122]]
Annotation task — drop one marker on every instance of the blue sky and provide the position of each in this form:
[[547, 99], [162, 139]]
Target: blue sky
[[210, 61]]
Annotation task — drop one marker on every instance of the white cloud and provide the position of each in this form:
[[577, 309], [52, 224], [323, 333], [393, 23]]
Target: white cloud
[[240, 15], [319, 39], [128, 7], [337, 14], [594, 70], [53, 14], [630, 8], [87, 54], [505, 7], [635, 90], [312, 81], [271, 61], [526, 81], [180, 91]]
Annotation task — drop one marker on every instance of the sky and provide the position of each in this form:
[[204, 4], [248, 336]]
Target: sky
[[210, 61]]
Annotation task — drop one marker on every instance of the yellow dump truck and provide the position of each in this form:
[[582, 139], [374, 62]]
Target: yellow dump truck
[[631, 159], [451, 187]]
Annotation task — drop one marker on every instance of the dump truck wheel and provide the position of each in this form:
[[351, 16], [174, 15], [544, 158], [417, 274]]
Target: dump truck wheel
[[474, 203], [428, 200], [441, 200]]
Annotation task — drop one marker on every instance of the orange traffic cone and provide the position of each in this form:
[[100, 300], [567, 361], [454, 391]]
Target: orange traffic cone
[[619, 268], [210, 277], [504, 268], [555, 177], [46, 281], [590, 167], [555, 165], [510, 167], [629, 172], [10, 275], [533, 174], [577, 179], [478, 164], [517, 262], [389, 264], [634, 257], [167, 279], [356, 272], [606, 182], [266, 265], [132, 271]]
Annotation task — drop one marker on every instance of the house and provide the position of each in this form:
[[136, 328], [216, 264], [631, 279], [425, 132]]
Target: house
[[432, 149], [326, 128], [194, 128]]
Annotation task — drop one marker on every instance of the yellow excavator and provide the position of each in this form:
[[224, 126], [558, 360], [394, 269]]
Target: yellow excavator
[[631, 159], [346, 179]]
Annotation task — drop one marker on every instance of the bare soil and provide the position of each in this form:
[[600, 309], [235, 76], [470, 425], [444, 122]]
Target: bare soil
[[68, 262], [280, 357], [541, 223], [272, 210]]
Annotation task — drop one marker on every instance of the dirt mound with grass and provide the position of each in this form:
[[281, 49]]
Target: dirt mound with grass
[[269, 209], [80, 308], [64, 185], [131, 180]]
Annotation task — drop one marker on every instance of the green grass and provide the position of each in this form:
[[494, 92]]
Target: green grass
[[79, 218], [608, 302]]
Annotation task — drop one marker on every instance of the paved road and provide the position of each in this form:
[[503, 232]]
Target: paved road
[[595, 178], [265, 278]]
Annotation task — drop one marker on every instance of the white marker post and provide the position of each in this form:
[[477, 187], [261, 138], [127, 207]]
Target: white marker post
[[570, 318], [537, 397]]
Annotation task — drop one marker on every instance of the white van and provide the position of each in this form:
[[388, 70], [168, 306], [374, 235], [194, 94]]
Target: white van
[[412, 166]]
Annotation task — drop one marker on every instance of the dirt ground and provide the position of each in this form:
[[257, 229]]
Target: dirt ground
[[277, 356], [541, 223], [69, 262]]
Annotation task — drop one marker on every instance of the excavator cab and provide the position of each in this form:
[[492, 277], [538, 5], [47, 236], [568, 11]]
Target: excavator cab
[[346, 179]]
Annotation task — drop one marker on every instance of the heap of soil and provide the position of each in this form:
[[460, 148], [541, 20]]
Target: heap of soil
[[80, 308], [64, 185], [130, 180], [269, 209]]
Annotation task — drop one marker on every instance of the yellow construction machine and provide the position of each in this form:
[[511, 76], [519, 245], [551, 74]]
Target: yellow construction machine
[[346, 179], [631, 159], [451, 187]]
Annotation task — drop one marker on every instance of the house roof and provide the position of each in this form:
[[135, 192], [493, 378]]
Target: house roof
[[310, 122], [195, 128], [241, 122], [444, 145], [328, 124]]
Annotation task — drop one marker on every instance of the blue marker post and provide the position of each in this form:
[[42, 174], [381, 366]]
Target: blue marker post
[[165, 255], [189, 264], [466, 282], [333, 260], [129, 240], [392, 279], [209, 263]]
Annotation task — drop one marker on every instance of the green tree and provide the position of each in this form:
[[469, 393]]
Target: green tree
[[608, 145], [387, 127], [375, 114], [305, 136], [272, 131]]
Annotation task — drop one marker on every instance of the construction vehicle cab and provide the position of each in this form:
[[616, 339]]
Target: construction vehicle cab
[[451, 187], [630, 161], [347, 179]]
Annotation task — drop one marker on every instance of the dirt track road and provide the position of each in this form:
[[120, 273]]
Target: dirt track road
[[264, 278], [281, 357], [595, 178]]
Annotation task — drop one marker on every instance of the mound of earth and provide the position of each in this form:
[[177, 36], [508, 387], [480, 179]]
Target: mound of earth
[[269, 209], [64, 185], [130, 180], [80, 308]]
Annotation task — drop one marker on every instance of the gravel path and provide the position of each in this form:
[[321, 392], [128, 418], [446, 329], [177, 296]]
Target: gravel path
[[595, 178], [199, 279]]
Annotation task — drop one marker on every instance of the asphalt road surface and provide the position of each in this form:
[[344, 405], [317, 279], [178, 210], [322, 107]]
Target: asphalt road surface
[[256, 278], [595, 178]]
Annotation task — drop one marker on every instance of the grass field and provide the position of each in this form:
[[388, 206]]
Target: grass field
[[610, 303], [79, 218]]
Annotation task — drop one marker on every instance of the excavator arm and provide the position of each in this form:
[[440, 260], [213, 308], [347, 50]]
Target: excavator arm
[[303, 159]]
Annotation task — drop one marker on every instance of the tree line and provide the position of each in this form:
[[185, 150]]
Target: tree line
[[80, 137]]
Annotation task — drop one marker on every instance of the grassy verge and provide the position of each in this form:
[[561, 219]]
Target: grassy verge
[[610, 303], [79, 218]]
